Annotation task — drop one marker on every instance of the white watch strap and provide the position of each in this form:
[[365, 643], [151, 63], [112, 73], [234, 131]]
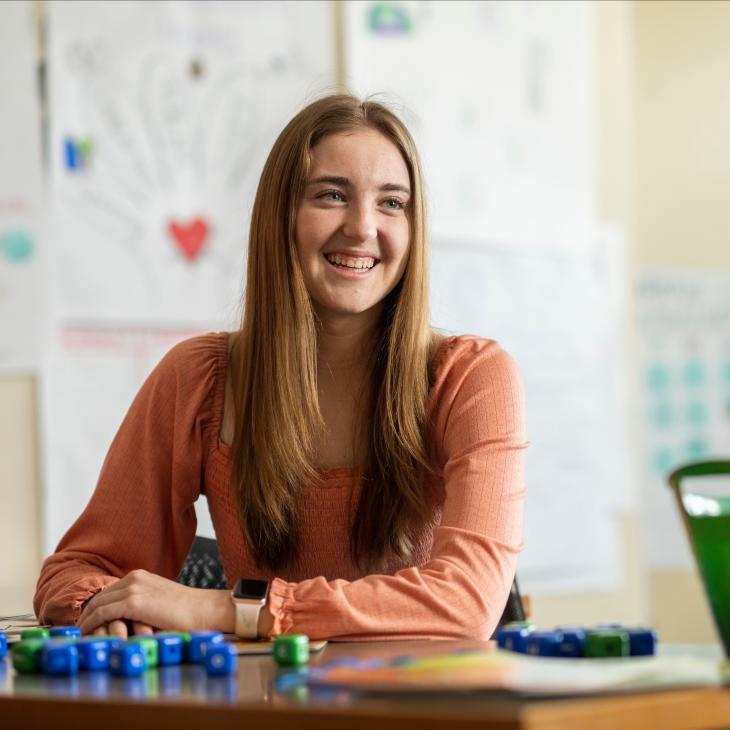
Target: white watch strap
[[247, 619]]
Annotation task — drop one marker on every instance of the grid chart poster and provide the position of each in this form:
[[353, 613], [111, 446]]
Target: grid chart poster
[[162, 114], [684, 323], [22, 303], [561, 315], [499, 96]]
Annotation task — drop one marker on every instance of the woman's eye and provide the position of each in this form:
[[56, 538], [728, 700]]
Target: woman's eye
[[335, 195], [394, 204]]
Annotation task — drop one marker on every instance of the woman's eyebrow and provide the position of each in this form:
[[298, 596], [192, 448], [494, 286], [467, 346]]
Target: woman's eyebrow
[[346, 182]]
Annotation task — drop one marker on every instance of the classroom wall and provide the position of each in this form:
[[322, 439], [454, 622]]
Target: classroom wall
[[20, 535], [683, 177], [615, 204], [662, 176]]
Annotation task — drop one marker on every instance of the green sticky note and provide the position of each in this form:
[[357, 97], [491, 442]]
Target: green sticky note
[[16, 246]]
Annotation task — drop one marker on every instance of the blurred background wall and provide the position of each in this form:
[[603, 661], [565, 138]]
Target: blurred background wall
[[658, 120]]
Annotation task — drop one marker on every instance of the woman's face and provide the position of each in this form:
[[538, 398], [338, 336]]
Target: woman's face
[[352, 230]]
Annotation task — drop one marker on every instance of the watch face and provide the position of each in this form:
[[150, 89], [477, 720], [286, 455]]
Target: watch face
[[252, 589]]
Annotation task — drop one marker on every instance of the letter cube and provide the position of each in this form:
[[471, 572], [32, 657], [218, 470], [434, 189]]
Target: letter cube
[[199, 643], [27, 655], [58, 632], [170, 649], [149, 646], [513, 638], [93, 653], [544, 643], [291, 650], [127, 660], [221, 660], [59, 658], [35, 633], [573, 643], [642, 642], [607, 643]]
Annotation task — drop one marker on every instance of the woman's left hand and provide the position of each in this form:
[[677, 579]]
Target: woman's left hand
[[149, 600]]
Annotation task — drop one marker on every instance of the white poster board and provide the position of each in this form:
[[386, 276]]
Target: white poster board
[[561, 315], [499, 96], [162, 114], [22, 289]]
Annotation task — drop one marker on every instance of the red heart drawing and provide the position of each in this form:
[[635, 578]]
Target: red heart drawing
[[189, 237]]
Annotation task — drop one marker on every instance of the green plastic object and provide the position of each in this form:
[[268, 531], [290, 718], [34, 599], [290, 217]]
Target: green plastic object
[[149, 646], [291, 650], [35, 633], [607, 643], [26, 655], [702, 491]]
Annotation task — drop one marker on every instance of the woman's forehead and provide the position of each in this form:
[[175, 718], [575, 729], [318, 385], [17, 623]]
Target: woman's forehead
[[363, 152]]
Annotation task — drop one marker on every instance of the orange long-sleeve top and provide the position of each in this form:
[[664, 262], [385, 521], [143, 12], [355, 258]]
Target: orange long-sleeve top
[[168, 452]]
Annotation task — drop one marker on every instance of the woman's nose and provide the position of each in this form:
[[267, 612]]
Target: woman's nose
[[360, 224]]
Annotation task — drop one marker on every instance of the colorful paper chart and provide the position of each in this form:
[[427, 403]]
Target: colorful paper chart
[[506, 671]]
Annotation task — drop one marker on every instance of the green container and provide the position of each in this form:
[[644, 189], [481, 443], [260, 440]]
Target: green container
[[291, 650], [26, 655], [702, 490], [149, 646], [35, 633]]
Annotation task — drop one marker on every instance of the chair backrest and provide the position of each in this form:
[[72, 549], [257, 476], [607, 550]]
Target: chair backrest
[[203, 568], [514, 609]]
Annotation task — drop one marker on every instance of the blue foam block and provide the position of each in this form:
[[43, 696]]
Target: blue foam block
[[220, 660], [59, 658], [127, 660], [199, 643]]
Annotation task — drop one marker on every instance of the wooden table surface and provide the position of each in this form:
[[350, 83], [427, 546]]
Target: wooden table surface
[[184, 697]]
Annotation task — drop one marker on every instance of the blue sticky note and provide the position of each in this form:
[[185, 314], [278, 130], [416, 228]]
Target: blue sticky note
[[657, 377], [694, 373], [697, 413]]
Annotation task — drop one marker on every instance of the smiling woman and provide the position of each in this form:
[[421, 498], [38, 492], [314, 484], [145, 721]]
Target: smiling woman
[[364, 474]]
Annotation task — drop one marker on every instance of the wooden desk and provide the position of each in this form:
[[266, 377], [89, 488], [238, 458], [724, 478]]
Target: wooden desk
[[183, 697]]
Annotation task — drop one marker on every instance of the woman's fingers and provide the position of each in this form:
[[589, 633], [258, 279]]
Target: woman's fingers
[[118, 628], [141, 629], [102, 630], [144, 600]]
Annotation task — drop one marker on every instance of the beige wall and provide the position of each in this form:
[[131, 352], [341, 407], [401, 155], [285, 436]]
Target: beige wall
[[683, 112], [19, 504], [663, 112]]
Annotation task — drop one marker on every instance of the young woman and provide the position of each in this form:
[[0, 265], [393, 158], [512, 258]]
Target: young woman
[[364, 472]]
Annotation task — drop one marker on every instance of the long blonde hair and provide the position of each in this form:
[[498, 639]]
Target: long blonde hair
[[274, 361]]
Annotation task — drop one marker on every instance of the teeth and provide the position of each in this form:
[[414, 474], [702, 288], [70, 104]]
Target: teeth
[[362, 263]]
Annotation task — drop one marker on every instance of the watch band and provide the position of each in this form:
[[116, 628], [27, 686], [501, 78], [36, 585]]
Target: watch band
[[247, 618]]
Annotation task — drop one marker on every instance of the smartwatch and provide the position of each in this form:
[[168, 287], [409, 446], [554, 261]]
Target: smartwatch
[[249, 597]]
